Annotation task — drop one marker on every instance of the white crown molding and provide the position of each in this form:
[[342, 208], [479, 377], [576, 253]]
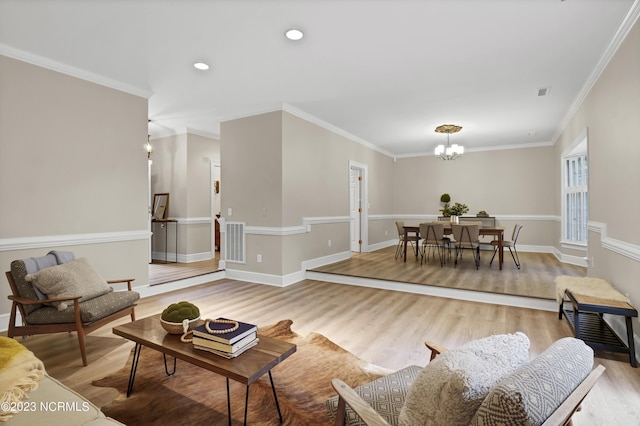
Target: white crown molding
[[482, 149], [23, 243], [321, 123], [43, 62], [622, 32], [204, 134]]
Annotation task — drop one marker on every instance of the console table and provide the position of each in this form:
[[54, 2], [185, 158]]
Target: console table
[[586, 319], [487, 221], [164, 224]]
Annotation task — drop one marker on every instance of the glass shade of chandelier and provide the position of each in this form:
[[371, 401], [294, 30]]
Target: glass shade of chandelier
[[449, 152]]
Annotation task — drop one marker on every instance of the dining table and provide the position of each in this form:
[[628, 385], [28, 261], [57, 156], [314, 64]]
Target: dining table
[[495, 231]]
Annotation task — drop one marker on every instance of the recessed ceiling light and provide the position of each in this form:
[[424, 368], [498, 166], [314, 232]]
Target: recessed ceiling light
[[294, 34], [201, 66]]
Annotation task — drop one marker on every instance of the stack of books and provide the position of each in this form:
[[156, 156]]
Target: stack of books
[[228, 345]]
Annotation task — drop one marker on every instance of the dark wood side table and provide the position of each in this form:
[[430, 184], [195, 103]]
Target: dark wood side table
[[586, 319]]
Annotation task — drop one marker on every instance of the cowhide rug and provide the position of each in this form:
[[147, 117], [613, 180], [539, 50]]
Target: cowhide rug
[[195, 396]]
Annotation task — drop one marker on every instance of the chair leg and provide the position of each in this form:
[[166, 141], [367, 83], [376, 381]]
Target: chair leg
[[341, 413], [12, 320], [83, 348], [516, 259], [494, 255], [398, 249]]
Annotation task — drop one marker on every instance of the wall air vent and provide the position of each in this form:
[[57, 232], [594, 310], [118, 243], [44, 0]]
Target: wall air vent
[[235, 242], [544, 91]]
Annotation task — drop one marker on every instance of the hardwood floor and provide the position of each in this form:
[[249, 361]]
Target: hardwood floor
[[383, 327], [534, 279], [160, 273]]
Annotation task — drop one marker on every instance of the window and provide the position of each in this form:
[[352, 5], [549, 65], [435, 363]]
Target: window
[[575, 194]]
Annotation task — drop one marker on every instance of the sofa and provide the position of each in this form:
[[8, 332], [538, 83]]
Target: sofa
[[486, 382], [30, 397]]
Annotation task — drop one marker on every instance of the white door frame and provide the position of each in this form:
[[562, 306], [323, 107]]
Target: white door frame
[[214, 198], [364, 203]]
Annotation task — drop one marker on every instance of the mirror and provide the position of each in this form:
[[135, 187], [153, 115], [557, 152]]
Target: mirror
[[160, 206]]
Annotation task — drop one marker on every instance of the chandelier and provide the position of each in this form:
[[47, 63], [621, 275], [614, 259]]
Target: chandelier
[[450, 152]]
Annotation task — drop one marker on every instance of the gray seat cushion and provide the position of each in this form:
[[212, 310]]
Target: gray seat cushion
[[386, 395], [91, 310]]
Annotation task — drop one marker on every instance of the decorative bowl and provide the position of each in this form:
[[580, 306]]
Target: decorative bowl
[[176, 327]]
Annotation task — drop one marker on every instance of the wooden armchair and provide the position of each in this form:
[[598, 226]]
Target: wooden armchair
[[354, 406], [83, 314]]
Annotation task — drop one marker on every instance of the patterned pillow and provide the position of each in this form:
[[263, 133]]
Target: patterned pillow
[[77, 278], [449, 390], [531, 394]]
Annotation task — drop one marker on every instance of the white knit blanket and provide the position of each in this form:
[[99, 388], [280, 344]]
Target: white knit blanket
[[588, 286]]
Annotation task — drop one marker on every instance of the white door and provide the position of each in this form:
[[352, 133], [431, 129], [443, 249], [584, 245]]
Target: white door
[[356, 209]]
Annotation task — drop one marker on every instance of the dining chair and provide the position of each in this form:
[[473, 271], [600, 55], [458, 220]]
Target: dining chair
[[510, 244], [411, 239], [433, 237], [467, 236]]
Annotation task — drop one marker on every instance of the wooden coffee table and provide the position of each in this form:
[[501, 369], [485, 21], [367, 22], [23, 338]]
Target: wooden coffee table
[[246, 368]]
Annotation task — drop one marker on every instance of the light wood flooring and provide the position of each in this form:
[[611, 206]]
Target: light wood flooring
[[534, 279], [160, 272], [384, 327]]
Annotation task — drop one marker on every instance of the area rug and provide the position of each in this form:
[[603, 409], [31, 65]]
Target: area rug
[[195, 396]]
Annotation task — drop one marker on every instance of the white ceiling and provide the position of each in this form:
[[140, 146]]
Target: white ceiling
[[386, 72]]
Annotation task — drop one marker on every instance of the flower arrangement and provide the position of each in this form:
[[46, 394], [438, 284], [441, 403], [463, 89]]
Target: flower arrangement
[[458, 209]]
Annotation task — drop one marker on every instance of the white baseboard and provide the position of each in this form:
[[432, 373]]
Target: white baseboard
[[326, 260], [268, 279], [153, 290], [572, 260]]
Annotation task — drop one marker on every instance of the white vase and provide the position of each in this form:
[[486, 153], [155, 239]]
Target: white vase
[[454, 219]]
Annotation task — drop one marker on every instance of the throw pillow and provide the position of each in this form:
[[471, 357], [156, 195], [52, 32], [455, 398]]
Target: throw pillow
[[450, 388], [532, 393], [76, 278]]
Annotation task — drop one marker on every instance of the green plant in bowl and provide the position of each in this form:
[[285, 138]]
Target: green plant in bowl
[[175, 315]]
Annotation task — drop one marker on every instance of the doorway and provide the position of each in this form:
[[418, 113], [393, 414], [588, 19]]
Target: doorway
[[358, 206]]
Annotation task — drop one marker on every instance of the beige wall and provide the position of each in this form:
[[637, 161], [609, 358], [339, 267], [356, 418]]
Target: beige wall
[[517, 183], [182, 167], [610, 113], [251, 148], [504, 182], [73, 173], [293, 169]]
